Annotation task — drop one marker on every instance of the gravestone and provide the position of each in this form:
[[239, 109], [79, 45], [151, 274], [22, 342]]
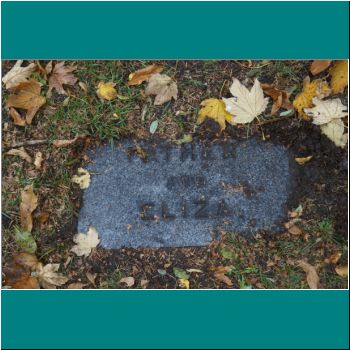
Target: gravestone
[[163, 195]]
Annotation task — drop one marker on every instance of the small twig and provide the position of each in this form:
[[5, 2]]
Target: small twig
[[29, 143], [222, 87]]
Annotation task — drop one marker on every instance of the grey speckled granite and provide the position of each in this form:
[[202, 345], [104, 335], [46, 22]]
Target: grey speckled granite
[[183, 195]]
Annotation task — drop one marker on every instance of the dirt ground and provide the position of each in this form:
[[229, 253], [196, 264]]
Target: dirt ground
[[265, 261]]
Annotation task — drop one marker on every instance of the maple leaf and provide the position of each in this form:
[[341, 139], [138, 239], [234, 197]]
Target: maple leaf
[[245, 105], [17, 74], [334, 130], [163, 87], [326, 111], [82, 179], [28, 97], [311, 274], [315, 88], [17, 119], [339, 73], [279, 97], [143, 74], [106, 91], [61, 75], [29, 202], [48, 276], [318, 66], [20, 152], [85, 242], [215, 109]]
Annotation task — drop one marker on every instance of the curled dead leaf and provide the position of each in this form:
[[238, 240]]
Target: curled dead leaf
[[334, 258], [279, 97], [17, 119], [318, 66], [143, 74], [219, 274], [29, 202], [20, 152], [311, 274], [295, 230], [303, 160], [64, 143], [342, 270], [18, 74]]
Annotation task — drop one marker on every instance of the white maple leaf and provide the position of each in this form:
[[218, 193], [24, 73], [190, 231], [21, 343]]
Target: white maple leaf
[[334, 130], [49, 277], [85, 242], [17, 74], [326, 110], [245, 105]]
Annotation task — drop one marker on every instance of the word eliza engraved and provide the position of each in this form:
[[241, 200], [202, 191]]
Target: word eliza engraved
[[162, 195]]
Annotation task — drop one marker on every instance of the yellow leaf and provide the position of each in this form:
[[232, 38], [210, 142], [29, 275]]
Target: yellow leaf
[[315, 88], [82, 179], [339, 73], [215, 109], [107, 91], [184, 283], [303, 160], [28, 97]]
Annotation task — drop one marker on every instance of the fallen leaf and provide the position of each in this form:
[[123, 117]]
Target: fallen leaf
[[245, 105], [184, 283], [27, 282], [106, 91], [318, 66], [342, 270], [180, 273], [129, 281], [25, 240], [143, 74], [326, 111], [66, 101], [334, 130], [163, 87], [91, 277], [20, 152], [17, 119], [61, 75], [82, 179], [64, 143], [303, 160], [43, 217], [83, 86], [77, 285], [48, 276], [27, 260], [27, 97], [334, 258], [144, 283], [219, 274], [38, 160], [85, 242], [17, 74], [29, 202], [295, 230], [185, 139], [215, 109], [279, 97], [311, 274], [315, 88], [339, 73], [296, 212]]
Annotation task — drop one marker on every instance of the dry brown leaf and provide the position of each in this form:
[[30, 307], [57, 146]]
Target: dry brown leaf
[[64, 143], [163, 87], [318, 66], [83, 86], [29, 202], [143, 74], [295, 230], [339, 73], [62, 75], [303, 160], [144, 283], [91, 277], [17, 74], [342, 270], [129, 281], [26, 260], [26, 282], [27, 97], [77, 285], [279, 97], [311, 274], [334, 258], [17, 119], [219, 274], [20, 152], [38, 160]]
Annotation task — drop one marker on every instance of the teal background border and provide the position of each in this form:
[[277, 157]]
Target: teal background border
[[175, 30], [175, 319]]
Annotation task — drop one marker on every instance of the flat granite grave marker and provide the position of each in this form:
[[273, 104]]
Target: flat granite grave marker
[[162, 195]]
